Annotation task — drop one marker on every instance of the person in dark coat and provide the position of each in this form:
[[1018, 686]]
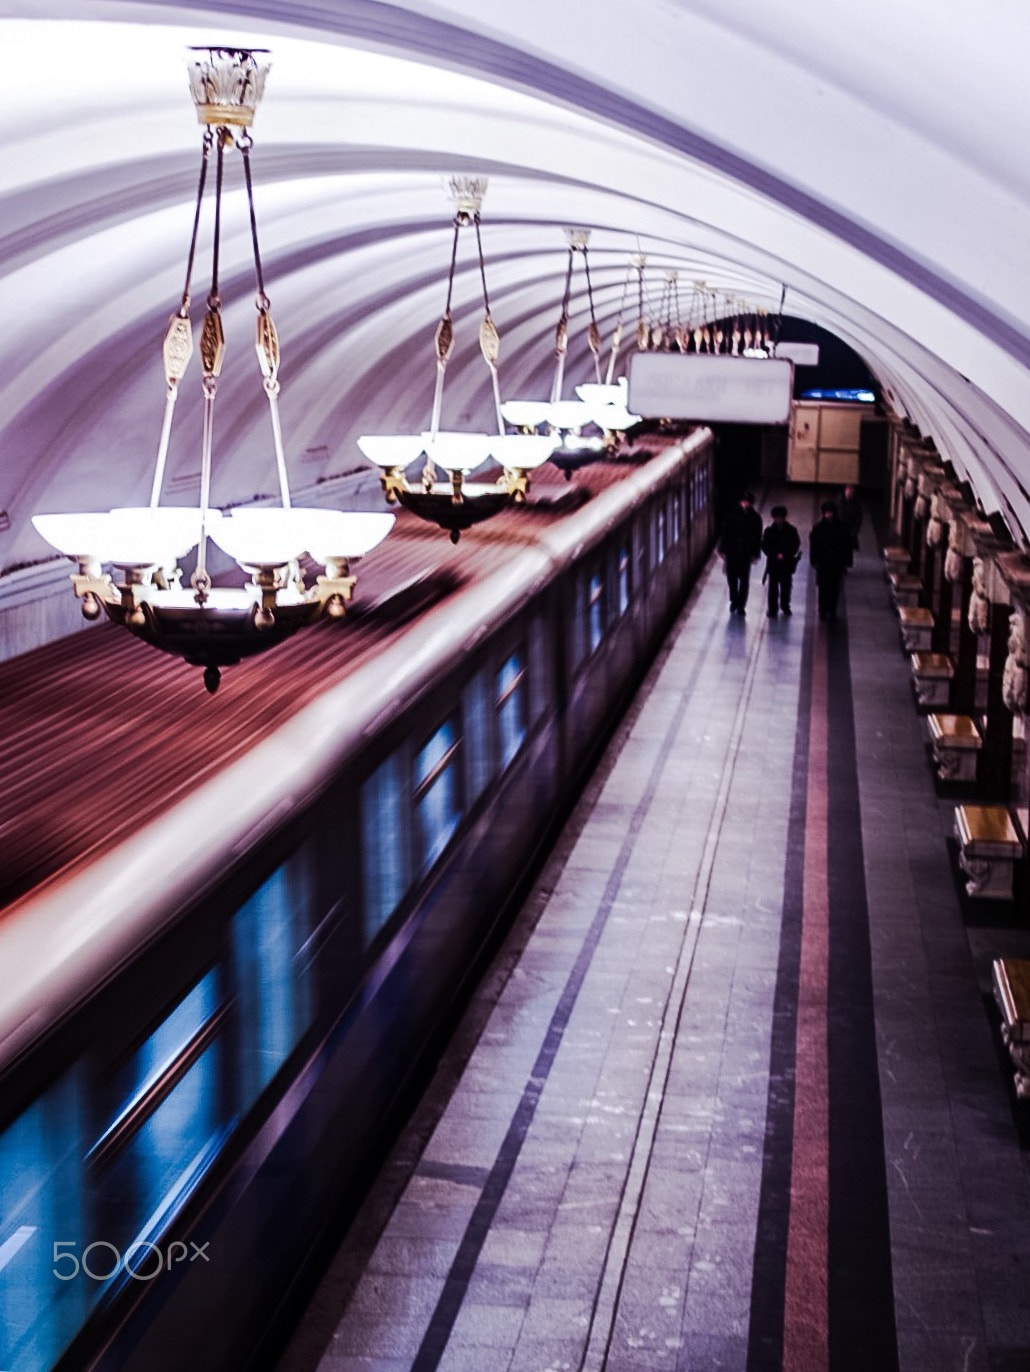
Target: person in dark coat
[[829, 551], [739, 545], [781, 544], [850, 511]]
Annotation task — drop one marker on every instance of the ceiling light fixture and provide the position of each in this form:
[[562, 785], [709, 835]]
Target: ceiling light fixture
[[600, 404], [207, 625], [456, 504]]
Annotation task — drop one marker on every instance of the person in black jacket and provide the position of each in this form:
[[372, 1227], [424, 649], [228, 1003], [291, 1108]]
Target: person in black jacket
[[850, 511], [829, 551], [739, 545], [781, 544]]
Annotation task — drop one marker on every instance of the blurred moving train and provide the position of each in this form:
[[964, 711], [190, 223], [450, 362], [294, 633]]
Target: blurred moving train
[[208, 1035]]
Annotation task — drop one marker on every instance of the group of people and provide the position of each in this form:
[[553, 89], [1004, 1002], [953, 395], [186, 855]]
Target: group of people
[[832, 543]]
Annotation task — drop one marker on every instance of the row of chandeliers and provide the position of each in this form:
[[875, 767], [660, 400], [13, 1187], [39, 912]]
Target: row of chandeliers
[[711, 324], [215, 626]]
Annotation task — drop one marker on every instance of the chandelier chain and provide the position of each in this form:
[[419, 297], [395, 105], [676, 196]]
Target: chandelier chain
[[454, 264], [617, 332], [244, 142], [643, 331], [482, 266], [567, 295], [593, 333], [213, 299], [201, 183]]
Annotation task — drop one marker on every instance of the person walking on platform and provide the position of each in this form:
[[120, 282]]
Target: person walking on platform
[[781, 544], [739, 545], [829, 551], [850, 511]]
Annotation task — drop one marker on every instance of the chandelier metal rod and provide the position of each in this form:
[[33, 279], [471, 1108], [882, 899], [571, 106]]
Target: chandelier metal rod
[[434, 421], [272, 390], [244, 142], [613, 353], [267, 344], [201, 581], [223, 134], [496, 384], [643, 329], [593, 333], [212, 347], [488, 336], [205, 158], [561, 334], [162, 446], [482, 266], [179, 335], [444, 336]]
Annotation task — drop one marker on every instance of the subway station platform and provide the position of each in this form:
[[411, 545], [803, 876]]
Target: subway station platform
[[733, 1094]]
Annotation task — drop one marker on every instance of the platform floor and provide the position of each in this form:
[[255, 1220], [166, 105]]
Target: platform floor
[[732, 1095]]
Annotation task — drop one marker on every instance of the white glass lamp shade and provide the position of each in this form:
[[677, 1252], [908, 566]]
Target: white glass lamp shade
[[273, 537], [391, 450], [263, 537], [81, 536], [457, 452], [524, 451], [525, 414], [568, 414], [613, 418], [594, 394], [128, 537], [173, 529], [580, 443], [608, 405], [341, 534]]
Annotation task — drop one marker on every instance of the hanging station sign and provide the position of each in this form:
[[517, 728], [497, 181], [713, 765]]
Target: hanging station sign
[[801, 354], [711, 387]]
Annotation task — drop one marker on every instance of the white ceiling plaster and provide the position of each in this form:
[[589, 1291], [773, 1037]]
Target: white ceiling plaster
[[867, 158]]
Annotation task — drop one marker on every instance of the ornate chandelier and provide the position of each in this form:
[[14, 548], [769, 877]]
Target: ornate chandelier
[[207, 625], [457, 503], [600, 405]]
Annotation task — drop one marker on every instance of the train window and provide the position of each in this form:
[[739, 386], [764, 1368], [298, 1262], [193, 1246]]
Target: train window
[[476, 722], [578, 634], [385, 843], [175, 1032], [41, 1191], [596, 620], [274, 1001], [642, 545], [437, 789], [511, 706], [541, 666], [166, 1127], [676, 515], [658, 534], [622, 578]]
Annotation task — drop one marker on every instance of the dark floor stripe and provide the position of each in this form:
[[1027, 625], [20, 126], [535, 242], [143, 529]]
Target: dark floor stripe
[[768, 1288], [862, 1324], [438, 1332]]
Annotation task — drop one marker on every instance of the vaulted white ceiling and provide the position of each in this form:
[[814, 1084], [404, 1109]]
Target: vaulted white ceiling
[[868, 159]]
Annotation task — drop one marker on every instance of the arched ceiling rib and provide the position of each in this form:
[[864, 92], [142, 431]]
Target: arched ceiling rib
[[854, 157]]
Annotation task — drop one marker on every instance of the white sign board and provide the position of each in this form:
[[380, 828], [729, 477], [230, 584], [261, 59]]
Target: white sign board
[[801, 354], [710, 388]]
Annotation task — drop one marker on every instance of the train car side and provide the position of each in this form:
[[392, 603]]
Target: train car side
[[213, 1037]]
